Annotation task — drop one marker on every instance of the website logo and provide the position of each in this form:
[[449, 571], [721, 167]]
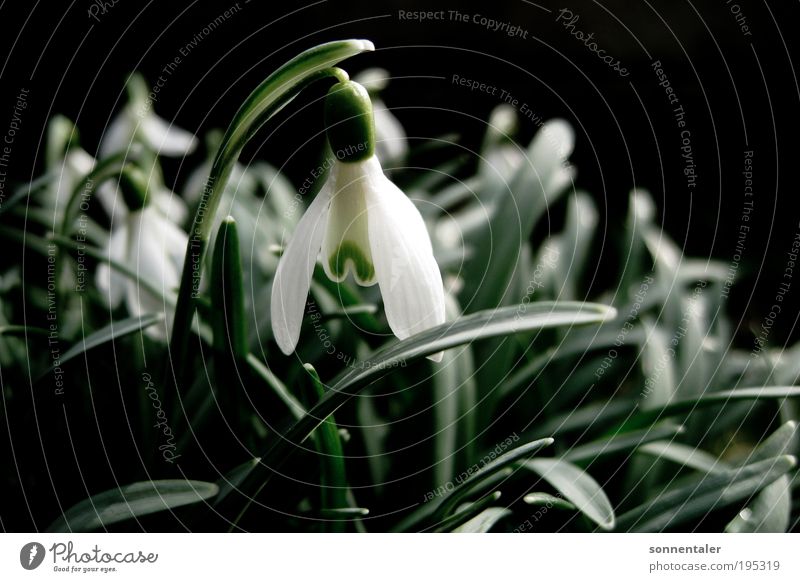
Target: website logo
[[31, 555]]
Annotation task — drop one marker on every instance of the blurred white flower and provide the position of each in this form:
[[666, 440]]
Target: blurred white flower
[[153, 247], [74, 167], [363, 224], [137, 122]]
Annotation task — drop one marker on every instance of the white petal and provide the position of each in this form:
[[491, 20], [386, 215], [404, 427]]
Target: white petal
[[171, 205], [153, 238], [346, 245], [293, 276], [555, 141], [110, 282], [409, 278], [549, 151], [111, 200], [165, 138], [118, 135]]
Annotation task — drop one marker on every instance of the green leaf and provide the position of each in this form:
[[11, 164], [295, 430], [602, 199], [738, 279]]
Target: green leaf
[[333, 481], [576, 244], [22, 330], [109, 333], [481, 325], [454, 407], [227, 295], [723, 397], [539, 499], [131, 501], [484, 521], [466, 487], [516, 206], [477, 326], [685, 455], [701, 496], [467, 512], [770, 512], [578, 487], [278, 387], [619, 443], [778, 443], [234, 478]]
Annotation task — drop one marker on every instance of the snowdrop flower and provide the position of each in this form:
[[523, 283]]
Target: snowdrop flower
[[138, 122], [149, 244], [359, 223], [67, 164]]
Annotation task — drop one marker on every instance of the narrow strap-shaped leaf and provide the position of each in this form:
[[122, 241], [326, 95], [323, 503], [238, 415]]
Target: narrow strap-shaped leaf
[[131, 501], [484, 521], [481, 325], [227, 294], [109, 333], [578, 487], [619, 443], [465, 514], [333, 480], [711, 492]]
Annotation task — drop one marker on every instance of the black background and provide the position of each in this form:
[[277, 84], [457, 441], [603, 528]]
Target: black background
[[739, 92]]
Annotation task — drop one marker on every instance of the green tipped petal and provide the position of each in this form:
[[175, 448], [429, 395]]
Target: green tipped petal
[[350, 256]]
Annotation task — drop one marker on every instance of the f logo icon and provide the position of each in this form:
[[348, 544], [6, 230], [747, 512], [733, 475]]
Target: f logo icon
[[31, 555]]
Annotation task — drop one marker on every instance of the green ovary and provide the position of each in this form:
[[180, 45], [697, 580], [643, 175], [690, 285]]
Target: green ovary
[[349, 255]]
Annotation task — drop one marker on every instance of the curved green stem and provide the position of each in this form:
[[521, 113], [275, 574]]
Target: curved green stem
[[271, 96]]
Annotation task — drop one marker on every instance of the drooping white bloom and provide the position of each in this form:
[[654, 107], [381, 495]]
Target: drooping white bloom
[[137, 122], [153, 247], [360, 222]]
